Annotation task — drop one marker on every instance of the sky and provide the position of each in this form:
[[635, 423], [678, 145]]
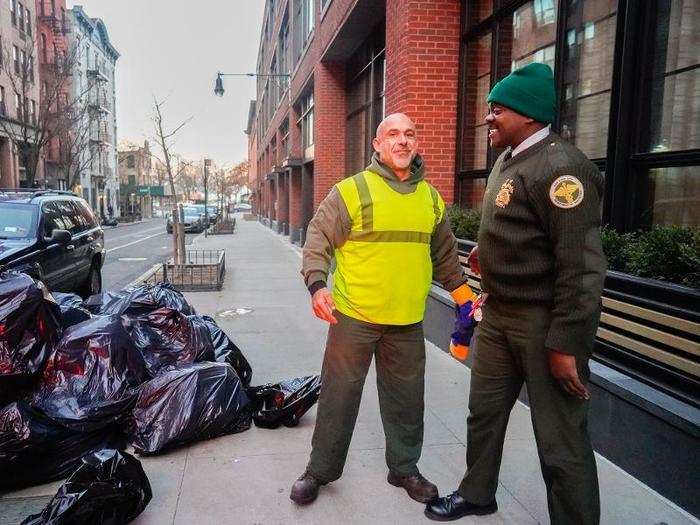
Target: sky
[[173, 49]]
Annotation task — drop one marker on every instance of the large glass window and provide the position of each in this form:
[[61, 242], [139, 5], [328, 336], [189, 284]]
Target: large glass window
[[589, 52], [478, 83], [531, 35], [673, 77], [364, 101], [307, 120], [670, 196]]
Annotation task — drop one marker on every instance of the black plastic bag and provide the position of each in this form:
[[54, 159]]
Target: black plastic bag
[[168, 338], [30, 323], [90, 380], [139, 300], [225, 350], [285, 402], [34, 449], [109, 487], [72, 309], [182, 405]]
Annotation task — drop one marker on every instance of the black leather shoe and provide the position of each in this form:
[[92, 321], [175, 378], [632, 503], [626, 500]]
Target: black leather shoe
[[305, 489], [454, 506], [417, 487]]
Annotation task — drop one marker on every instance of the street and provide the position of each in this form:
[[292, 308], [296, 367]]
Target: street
[[134, 248]]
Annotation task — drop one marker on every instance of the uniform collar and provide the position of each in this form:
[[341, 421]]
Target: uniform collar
[[531, 140]]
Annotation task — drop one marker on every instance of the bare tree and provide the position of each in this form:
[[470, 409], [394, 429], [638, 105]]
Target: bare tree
[[164, 138], [55, 114]]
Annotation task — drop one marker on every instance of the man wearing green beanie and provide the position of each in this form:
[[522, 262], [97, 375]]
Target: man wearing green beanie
[[542, 265]]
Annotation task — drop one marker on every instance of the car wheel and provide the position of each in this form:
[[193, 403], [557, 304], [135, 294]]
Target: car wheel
[[93, 282]]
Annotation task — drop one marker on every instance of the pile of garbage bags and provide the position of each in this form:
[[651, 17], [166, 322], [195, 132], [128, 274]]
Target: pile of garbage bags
[[82, 379], [108, 487]]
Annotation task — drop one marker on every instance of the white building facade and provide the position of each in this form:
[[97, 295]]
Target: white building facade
[[94, 79]]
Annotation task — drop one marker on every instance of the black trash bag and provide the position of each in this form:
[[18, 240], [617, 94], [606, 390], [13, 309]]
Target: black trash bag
[[72, 309], [139, 300], [91, 378], [285, 402], [225, 350], [34, 449], [182, 405], [30, 323], [95, 304], [109, 487], [167, 338]]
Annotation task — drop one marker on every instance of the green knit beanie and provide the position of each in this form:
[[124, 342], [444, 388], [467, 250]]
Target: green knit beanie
[[528, 90]]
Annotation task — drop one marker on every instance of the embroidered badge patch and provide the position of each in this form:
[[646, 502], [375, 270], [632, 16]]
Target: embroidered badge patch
[[504, 194], [566, 192]]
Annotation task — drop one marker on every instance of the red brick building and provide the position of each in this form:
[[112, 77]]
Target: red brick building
[[627, 75], [350, 63], [52, 33]]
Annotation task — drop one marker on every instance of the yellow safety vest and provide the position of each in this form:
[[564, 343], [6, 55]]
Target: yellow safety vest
[[384, 270]]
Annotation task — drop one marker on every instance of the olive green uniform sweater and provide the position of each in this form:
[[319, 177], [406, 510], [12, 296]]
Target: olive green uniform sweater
[[331, 224], [539, 238]]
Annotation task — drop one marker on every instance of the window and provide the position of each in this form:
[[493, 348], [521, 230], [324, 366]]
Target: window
[[13, 12], [130, 163], [590, 45], [15, 59], [673, 78], [303, 25], [20, 16], [18, 106], [670, 196], [307, 120], [32, 114], [364, 100], [3, 106], [44, 50], [532, 36], [28, 25]]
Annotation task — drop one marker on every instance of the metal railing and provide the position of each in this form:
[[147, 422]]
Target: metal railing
[[203, 270]]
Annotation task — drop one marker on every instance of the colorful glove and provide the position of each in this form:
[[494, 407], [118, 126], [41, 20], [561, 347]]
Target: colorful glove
[[468, 316]]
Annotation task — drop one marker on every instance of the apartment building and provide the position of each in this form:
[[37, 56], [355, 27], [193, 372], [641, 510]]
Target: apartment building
[[628, 82], [19, 94], [94, 77]]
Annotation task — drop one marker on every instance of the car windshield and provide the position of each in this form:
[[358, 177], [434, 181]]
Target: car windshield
[[17, 221], [191, 212]]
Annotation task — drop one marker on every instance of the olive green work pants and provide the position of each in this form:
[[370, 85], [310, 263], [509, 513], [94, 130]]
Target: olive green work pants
[[510, 350], [399, 353]]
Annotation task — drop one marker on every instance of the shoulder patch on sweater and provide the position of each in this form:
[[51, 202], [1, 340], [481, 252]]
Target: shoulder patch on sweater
[[566, 192]]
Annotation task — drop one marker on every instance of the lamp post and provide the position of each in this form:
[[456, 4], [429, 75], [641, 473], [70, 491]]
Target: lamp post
[[219, 84]]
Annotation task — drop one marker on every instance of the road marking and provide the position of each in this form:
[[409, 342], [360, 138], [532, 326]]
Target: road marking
[[135, 233], [127, 259], [135, 242]]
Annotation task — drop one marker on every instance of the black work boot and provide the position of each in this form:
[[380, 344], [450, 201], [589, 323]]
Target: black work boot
[[418, 488], [454, 506], [305, 489]]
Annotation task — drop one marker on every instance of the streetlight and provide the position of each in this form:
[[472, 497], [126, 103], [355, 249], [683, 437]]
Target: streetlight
[[219, 84]]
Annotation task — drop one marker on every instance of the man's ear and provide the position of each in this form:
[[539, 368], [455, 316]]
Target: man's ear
[[375, 144]]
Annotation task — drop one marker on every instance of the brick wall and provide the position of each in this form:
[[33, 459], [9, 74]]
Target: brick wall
[[422, 66], [295, 203], [329, 128]]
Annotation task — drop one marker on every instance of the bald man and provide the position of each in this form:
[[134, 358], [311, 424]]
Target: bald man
[[387, 229]]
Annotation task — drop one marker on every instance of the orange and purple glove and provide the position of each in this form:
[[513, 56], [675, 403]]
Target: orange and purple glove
[[468, 314]]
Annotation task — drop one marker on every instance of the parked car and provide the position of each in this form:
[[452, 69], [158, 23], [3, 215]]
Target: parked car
[[194, 221], [54, 237], [243, 206]]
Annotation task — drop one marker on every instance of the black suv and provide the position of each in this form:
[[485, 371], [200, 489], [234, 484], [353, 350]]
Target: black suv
[[52, 236]]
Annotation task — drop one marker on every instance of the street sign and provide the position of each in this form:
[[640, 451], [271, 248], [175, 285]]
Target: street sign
[[156, 191]]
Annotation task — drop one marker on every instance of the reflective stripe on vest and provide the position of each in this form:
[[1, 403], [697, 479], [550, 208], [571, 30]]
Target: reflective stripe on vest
[[384, 271]]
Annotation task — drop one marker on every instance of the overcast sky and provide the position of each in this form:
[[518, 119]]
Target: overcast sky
[[173, 49]]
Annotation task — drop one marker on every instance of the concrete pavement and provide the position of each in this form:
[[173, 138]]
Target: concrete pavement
[[245, 478]]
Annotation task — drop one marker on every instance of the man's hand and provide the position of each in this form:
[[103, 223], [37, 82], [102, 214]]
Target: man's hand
[[323, 305], [563, 368], [473, 260]]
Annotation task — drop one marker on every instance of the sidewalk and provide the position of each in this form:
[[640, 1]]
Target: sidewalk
[[245, 478]]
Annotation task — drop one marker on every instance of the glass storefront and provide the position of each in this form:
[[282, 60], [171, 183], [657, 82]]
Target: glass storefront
[[628, 93]]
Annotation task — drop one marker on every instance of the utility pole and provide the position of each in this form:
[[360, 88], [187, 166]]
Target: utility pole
[[207, 163]]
